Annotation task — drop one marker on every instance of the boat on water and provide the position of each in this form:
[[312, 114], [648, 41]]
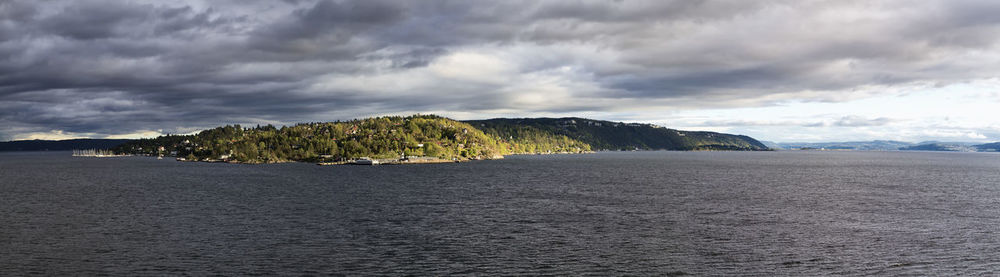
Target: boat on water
[[365, 161]]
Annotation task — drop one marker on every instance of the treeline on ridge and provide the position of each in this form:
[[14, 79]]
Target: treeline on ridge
[[608, 135]]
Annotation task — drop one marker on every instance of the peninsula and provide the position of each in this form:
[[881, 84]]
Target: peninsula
[[426, 138]]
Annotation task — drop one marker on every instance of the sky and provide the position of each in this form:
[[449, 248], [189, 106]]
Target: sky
[[785, 71]]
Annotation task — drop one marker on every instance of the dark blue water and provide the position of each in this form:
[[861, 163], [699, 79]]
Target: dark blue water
[[633, 213]]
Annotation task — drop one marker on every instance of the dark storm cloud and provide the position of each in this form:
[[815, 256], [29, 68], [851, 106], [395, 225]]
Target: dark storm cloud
[[324, 26], [118, 67]]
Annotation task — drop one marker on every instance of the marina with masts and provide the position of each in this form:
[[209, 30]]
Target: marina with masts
[[99, 153]]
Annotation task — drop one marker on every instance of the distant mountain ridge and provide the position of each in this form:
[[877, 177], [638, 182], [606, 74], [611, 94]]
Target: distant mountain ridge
[[609, 135], [940, 147], [890, 145], [874, 145], [989, 147], [954, 147], [60, 145]]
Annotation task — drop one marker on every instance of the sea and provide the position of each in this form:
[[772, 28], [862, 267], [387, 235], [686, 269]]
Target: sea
[[657, 213]]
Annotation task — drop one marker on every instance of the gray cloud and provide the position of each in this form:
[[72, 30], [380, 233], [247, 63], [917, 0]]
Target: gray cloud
[[851, 121], [844, 121], [854, 121], [112, 67]]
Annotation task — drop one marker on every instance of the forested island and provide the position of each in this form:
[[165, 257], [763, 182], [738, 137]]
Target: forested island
[[425, 137]]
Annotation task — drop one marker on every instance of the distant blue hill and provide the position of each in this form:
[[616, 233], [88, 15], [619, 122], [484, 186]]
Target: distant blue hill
[[772, 145], [60, 145], [875, 145], [989, 147], [955, 146], [890, 145], [940, 147]]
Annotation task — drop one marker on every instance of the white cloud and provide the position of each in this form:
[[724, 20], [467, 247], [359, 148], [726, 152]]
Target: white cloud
[[52, 135], [137, 135], [473, 67]]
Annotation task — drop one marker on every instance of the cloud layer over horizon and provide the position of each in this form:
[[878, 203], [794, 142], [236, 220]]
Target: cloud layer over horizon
[[142, 68]]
